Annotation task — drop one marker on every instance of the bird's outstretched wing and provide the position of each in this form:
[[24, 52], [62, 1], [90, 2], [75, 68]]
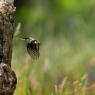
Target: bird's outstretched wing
[[33, 50]]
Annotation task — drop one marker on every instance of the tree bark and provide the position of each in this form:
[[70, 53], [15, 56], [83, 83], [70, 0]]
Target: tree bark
[[8, 78]]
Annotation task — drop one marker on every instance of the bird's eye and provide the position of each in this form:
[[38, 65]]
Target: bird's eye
[[38, 43]]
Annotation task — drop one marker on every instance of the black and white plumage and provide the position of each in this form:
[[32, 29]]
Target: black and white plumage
[[32, 47]]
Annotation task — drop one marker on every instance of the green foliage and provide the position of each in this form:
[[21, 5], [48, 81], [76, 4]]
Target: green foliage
[[66, 31]]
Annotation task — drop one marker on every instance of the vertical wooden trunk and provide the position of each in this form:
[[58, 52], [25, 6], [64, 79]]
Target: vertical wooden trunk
[[7, 76]]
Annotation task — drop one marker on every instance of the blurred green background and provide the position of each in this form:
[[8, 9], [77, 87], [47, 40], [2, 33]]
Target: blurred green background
[[66, 30]]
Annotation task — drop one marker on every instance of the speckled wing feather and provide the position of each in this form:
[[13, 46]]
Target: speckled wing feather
[[33, 50]]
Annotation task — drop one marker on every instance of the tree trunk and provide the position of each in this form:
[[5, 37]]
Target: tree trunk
[[8, 78]]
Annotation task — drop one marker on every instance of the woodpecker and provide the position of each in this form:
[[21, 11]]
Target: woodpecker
[[32, 47]]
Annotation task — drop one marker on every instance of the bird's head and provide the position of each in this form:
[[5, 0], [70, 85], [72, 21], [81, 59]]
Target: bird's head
[[32, 47], [31, 40]]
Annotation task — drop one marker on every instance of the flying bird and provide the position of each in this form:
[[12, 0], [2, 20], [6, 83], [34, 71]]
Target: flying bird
[[32, 47]]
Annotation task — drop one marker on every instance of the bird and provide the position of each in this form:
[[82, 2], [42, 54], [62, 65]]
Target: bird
[[32, 47]]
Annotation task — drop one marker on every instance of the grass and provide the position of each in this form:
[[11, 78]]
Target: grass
[[62, 69]]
